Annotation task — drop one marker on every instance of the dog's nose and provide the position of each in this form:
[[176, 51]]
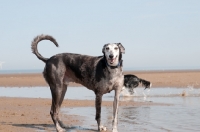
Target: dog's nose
[[111, 56]]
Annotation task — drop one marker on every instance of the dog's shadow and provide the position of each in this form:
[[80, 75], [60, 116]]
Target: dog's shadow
[[51, 127]]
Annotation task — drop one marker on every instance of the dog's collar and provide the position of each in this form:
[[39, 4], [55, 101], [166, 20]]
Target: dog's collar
[[118, 65]]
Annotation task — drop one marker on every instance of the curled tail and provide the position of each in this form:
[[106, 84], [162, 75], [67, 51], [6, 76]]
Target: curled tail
[[35, 42]]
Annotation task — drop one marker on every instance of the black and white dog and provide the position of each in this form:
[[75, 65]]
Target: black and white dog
[[132, 81], [101, 74]]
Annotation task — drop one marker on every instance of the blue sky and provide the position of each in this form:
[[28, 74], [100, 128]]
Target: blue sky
[[157, 34]]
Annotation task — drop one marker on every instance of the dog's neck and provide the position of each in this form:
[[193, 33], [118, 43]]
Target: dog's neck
[[113, 67]]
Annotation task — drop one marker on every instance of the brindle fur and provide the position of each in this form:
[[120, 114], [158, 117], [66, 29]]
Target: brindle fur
[[92, 72]]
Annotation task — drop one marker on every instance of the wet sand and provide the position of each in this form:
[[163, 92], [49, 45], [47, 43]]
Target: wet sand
[[32, 114]]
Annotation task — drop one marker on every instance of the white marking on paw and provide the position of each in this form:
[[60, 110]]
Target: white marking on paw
[[102, 128], [59, 128]]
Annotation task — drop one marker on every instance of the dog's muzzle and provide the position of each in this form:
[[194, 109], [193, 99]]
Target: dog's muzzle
[[112, 59]]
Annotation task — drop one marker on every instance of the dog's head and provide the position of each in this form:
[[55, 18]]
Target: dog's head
[[113, 53]]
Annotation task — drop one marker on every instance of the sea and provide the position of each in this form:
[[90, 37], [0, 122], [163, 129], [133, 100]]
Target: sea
[[23, 71]]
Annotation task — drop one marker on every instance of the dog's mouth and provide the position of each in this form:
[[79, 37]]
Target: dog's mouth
[[112, 60]]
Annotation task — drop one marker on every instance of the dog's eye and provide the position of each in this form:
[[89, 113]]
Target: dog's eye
[[116, 48], [107, 48]]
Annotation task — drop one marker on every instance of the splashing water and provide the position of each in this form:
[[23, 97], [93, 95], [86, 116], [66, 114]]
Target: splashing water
[[138, 94], [145, 93], [188, 91]]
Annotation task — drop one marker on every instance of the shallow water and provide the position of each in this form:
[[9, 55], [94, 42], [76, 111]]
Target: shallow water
[[81, 93], [152, 118], [182, 115]]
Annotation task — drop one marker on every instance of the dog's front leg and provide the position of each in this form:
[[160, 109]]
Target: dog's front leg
[[115, 110], [98, 101]]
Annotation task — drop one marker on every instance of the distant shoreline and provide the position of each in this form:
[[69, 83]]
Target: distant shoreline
[[171, 78], [20, 71]]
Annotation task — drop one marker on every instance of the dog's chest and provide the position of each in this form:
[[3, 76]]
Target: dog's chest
[[109, 83]]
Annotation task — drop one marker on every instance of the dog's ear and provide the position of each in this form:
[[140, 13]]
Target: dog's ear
[[121, 47], [104, 48]]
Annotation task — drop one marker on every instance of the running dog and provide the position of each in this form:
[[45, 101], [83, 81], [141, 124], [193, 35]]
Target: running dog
[[100, 74], [132, 81]]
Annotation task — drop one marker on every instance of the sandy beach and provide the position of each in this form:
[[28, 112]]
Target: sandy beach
[[157, 78], [32, 114]]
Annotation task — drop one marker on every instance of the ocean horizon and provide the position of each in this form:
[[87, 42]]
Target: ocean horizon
[[22, 71]]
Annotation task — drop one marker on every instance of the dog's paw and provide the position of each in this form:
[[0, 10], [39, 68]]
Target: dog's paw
[[114, 130], [60, 129], [102, 128]]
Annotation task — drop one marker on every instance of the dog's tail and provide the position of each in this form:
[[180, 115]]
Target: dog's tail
[[35, 42], [145, 83]]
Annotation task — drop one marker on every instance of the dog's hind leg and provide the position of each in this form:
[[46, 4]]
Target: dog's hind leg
[[98, 102], [57, 97], [64, 89]]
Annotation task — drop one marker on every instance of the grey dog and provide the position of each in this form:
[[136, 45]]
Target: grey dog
[[100, 74]]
